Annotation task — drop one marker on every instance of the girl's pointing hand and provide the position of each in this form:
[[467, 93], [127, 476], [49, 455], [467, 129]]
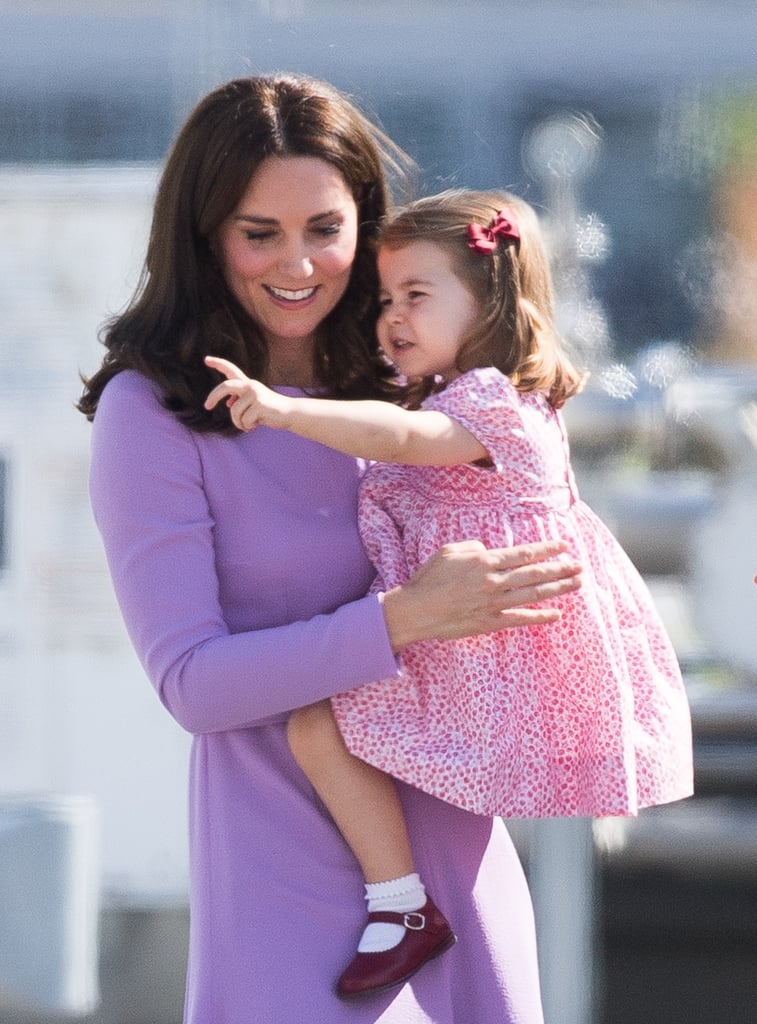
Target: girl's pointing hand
[[250, 402]]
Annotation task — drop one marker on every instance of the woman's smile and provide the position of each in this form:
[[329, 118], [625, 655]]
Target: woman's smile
[[291, 297]]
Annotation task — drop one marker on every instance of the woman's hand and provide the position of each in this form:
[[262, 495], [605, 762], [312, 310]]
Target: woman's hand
[[250, 402], [466, 589]]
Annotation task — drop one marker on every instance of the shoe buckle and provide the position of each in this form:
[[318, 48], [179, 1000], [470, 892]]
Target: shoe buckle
[[415, 922]]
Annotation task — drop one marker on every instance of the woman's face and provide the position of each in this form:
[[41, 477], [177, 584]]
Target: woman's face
[[287, 249]]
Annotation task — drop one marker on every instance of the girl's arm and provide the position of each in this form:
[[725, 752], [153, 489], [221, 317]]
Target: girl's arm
[[367, 429]]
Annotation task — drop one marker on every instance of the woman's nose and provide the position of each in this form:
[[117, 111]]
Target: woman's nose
[[295, 261]]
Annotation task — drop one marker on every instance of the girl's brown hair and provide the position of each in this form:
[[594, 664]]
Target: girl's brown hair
[[182, 309], [512, 286]]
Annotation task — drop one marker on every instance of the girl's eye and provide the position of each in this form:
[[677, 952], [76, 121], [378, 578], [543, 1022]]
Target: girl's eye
[[384, 303], [414, 296]]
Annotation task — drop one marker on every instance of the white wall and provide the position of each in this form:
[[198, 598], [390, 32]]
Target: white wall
[[77, 714]]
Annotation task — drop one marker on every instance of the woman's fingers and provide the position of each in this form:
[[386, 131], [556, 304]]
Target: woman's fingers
[[522, 606], [538, 581], [529, 574], [465, 589], [525, 554]]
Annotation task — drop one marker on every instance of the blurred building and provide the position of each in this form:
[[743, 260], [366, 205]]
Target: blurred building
[[91, 93], [461, 88]]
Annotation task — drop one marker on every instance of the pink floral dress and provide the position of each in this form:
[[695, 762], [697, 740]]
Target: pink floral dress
[[586, 716]]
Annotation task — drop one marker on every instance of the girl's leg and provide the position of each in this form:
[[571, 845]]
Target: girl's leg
[[361, 799], [363, 802]]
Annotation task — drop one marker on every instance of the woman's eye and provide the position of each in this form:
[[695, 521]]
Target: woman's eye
[[258, 236], [327, 229]]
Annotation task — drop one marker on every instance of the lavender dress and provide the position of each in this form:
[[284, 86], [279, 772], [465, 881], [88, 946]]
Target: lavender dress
[[241, 577]]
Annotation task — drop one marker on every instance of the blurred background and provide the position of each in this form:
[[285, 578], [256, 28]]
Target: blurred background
[[632, 127]]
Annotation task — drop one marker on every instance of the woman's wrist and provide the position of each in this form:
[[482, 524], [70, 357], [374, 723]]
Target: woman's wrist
[[401, 623]]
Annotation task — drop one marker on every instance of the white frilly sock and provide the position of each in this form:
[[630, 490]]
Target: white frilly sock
[[401, 894]]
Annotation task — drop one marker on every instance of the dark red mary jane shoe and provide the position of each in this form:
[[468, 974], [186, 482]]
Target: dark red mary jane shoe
[[427, 935]]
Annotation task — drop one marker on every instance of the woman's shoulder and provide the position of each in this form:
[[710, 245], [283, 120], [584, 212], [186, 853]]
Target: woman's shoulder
[[132, 395], [130, 385], [137, 441], [132, 405]]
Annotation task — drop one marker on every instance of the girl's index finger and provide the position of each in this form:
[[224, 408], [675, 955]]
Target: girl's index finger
[[230, 370]]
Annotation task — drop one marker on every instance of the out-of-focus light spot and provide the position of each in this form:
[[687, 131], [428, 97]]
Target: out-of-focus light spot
[[583, 323], [617, 381], [748, 419], [662, 364], [564, 146], [592, 240]]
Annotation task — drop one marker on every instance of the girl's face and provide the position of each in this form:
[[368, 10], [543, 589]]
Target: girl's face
[[287, 252], [426, 310]]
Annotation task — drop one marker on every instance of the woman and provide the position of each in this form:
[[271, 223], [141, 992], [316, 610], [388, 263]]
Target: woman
[[242, 581]]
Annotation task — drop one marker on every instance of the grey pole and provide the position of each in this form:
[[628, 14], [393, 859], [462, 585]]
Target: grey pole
[[562, 878]]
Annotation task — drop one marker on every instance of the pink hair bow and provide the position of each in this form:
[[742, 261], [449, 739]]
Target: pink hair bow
[[484, 240]]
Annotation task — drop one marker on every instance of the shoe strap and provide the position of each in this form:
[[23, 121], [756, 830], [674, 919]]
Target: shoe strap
[[414, 920]]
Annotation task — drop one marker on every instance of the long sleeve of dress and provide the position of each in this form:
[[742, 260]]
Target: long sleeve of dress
[[155, 490]]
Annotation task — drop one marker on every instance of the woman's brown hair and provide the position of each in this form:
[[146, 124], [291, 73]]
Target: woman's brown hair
[[182, 309], [512, 285]]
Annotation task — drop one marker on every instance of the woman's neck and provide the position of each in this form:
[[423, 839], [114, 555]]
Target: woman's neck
[[292, 365]]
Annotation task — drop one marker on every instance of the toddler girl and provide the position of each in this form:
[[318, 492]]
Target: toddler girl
[[584, 716]]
